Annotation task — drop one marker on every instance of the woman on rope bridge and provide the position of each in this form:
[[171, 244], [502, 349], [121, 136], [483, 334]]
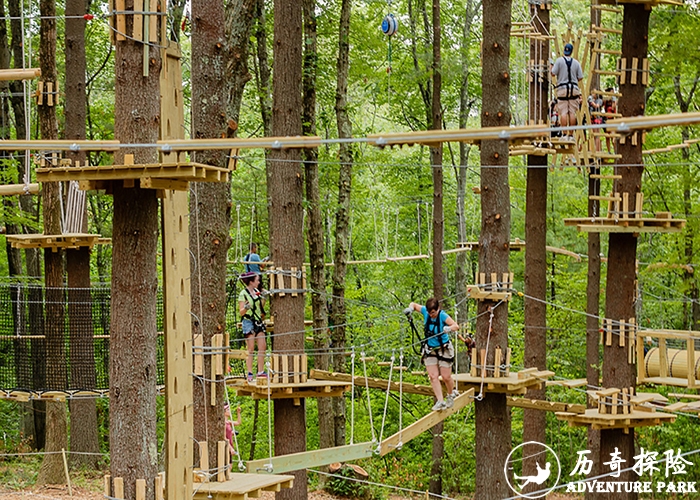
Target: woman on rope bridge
[[437, 351], [251, 306]]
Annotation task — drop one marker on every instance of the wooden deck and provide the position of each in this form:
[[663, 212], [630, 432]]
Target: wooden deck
[[626, 225], [602, 421], [311, 388], [513, 383], [53, 241], [242, 486], [175, 175]]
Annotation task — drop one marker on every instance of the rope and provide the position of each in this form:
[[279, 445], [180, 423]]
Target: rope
[[241, 465], [352, 396], [386, 401], [268, 467], [369, 402], [400, 444], [252, 224], [480, 396], [239, 247]]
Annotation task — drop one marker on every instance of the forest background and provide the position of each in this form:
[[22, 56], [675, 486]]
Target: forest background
[[391, 205]]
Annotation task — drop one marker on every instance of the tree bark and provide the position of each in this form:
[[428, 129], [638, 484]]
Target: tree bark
[[342, 215], [214, 65], [461, 172], [620, 292], [51, 471], [493, 426], [262, 69], [438, 227], [285, 193], [315, 225], [535, 422], [133, 444], [84, 434]]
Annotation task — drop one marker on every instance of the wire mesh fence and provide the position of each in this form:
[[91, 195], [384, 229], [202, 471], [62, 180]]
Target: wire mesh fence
[[84, 347]]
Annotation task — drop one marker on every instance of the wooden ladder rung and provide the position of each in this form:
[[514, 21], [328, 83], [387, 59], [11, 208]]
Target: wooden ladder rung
[[605, 176]]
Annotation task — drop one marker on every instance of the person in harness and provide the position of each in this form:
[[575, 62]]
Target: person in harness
[[569, 74], [251, 306], [437, 353]]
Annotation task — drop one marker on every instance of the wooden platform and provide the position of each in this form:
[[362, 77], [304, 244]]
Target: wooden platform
[[626, 225], [310, 389], [514, 383], [242, 486], [539, 404], [602, 421], [651, 3], [174, 175], [53, 241]]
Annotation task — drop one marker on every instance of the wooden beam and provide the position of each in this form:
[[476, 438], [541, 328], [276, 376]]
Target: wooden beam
[[313, 458], [15, 189], [19, 74], [423, 424]]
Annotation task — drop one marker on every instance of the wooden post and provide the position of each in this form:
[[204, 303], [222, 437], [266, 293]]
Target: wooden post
[[140, 489], [119, 487], [221, 465]]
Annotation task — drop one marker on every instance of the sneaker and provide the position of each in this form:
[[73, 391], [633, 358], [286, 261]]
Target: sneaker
[[250, 378], [454, 393], [262, 374], [449, 401], [439, 406]]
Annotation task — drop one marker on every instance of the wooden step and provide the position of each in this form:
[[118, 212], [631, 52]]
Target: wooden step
[[607, 73], [605, 176], [609, 52], [605, 8], [606, 115], [603, 29], [606, 156], [604, 198]]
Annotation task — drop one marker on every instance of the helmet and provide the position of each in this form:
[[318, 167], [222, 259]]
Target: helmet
[[568, 49]]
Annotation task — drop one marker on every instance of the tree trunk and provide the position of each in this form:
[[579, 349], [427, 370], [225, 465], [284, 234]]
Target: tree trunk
[[132, 426], [262, 69], [315, 238], [438, 227], [285, 193], [620, 292], [211, 202], [84, 434], [461, 173], [493, 428], [51, 471], [535, 422], [342, 215]]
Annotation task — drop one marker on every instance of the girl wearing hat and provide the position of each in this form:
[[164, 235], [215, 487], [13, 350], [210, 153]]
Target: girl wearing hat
[[251, 306]]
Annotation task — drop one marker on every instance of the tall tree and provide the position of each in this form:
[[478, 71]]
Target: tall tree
[[262, 68], [132, 378], [342, 214], [465, 105], [51, 471], [535, 422], [285, 193], [83, 412], [219, 55], [493, 427], [32, 255], [620, 290], [438, 225], [314, 219], [593, 275]]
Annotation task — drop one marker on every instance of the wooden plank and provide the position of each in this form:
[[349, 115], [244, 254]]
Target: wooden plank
[[107, 489], [240, 486], [423, 424], [140, 489], [119, 487], [155, 183], [17, 189], [285, 369], [663, 358], [204, 456], [159, 483], [138, 20], [121, 20], [304, 367], [313, 458], [294, 284], [221, 461], [153, 22]]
